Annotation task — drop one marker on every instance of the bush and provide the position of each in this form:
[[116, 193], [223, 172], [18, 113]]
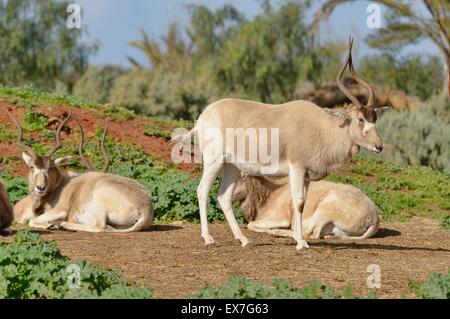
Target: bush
[[31, 268], [163, 93], [97, 82], [241, 288], [437, 287], [422, 137], [416, 75]]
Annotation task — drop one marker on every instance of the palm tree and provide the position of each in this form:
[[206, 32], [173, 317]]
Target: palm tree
[[407, 23], [172, 57]]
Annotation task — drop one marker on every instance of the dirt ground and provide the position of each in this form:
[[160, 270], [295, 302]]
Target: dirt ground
[[172, 260]]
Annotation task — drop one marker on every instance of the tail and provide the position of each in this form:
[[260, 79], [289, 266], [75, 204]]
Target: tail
[[143, 223], [372, 230], [183, 138]]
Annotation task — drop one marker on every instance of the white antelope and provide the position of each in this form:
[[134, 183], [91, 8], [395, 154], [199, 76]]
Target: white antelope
[[91, 202], [331, 209], [6, 209], [312, 143]]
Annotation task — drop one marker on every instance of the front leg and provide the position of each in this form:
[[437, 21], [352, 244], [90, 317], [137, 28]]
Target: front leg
[[298, 193], [48, 219]]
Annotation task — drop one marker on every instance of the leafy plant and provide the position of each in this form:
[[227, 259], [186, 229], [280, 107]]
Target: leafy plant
[[17, 187], [421, 137], [437, 287], [34, 121], [241, 288], [32, 268], [399, 191], [157, 132]]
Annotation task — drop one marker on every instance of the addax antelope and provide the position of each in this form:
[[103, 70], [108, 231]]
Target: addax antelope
[[91, 202], [6, 209], [310, 143], [331, 209]]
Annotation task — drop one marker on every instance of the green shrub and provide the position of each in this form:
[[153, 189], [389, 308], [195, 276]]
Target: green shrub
[[241, 288], [17, 187], [418, 75], [31, 268], [421, 137], [97, 82], [34, 121], [162, 93], [437, 287]]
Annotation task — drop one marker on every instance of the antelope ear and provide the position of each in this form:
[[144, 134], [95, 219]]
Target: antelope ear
[[62, 160], [380, 110], [27, 158], [334, 113]]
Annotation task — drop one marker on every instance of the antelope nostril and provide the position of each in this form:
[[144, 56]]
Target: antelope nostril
[[40, 188], [379, 148]]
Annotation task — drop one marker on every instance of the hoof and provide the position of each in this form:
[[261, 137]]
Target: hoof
[[301, 244], [55, 227], [244, 241], [208, 240]]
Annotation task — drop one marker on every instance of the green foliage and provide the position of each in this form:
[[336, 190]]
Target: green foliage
[[5, 133], [241, 288], [17, 187], [414, 74], [399, 191], [405, 23], [263, 58], [34, 121], [37, 46], [437, 287], [227, 56], [97, 82], [420, 137], [151, 130], [172, 57], [444, 220], [31, 268], [161, 92], [29, 98]]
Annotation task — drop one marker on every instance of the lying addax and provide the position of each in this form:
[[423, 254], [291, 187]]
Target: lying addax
[[92, 202], [23, 210], [330, 208], [6, 209], [311, 143]]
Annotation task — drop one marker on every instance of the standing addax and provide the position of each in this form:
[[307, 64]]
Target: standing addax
[[312, 143]]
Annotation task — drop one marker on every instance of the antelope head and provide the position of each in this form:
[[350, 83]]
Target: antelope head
[[362, 118], [44, 175]]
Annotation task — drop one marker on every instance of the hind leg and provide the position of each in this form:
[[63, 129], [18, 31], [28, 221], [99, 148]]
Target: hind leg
[[210, 172], [82, 227], [92, 223], [230, 176]]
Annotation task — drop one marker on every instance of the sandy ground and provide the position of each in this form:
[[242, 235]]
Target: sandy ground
[[172, 260]]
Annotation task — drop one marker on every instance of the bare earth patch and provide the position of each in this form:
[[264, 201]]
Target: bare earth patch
[[172, 260]]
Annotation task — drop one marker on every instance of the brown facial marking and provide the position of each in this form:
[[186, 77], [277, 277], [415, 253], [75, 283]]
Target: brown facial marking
[[369, 114]]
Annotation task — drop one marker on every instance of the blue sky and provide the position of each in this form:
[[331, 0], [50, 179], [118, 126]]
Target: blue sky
[[115, 22]]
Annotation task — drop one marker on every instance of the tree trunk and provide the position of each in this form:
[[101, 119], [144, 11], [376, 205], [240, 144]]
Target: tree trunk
[[448, 75]]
